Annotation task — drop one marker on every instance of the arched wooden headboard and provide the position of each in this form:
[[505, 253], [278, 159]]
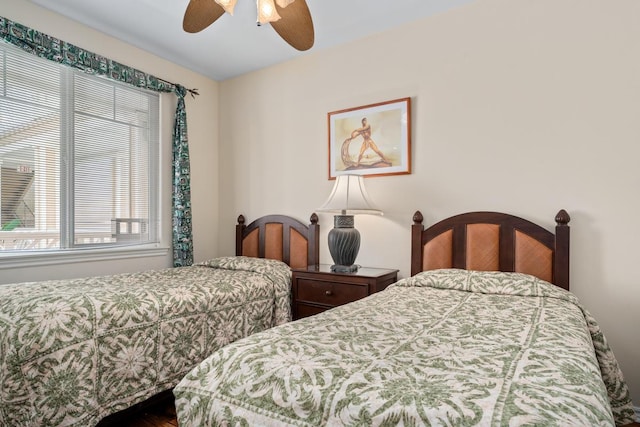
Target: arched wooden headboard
[[280, 237], [493, 241]]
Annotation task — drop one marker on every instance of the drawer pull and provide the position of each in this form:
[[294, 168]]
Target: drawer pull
[[328, 293]]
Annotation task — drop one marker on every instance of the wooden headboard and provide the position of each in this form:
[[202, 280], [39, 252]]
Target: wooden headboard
[[493, 241], [280, 237]]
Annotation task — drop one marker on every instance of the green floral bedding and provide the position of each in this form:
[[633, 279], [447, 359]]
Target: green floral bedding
[[447, 347], [74, 351]]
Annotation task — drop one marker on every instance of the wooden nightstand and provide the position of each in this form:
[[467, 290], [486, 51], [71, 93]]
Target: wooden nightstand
[[316, 289]]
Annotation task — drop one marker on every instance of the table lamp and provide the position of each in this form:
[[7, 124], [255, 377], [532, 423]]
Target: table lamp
[[348, 197]]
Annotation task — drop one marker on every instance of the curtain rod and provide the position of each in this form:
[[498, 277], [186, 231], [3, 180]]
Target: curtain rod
[[193, 92]]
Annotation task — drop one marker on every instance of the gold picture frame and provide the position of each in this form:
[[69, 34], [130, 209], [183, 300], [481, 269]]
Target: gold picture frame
[[371, 140]]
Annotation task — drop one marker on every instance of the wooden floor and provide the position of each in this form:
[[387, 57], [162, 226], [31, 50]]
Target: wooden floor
[[160, 415], [157, 414]]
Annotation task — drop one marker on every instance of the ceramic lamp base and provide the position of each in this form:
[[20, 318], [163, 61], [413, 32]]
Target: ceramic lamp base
[[344, 244], [344, 268]]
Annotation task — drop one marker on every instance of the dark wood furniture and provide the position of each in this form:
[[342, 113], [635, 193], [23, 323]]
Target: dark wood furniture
[[493, 241], [280, 237], [316, 289]]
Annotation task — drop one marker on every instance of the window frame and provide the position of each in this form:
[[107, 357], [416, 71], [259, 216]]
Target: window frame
[[79, 252]]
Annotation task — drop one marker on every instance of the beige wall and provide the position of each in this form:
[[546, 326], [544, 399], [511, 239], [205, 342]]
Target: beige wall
[[203, 139], [518, 106]]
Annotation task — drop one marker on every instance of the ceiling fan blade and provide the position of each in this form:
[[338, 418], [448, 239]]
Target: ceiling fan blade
[[295, 25], [200, 14]]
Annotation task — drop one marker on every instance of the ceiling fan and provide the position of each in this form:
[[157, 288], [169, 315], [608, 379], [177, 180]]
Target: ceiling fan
[[290, 18]]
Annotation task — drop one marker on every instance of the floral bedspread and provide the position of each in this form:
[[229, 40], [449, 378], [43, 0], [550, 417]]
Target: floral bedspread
[[447, 347], [74, 351]]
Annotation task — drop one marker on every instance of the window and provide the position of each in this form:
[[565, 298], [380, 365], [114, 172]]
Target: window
[[78, 158]]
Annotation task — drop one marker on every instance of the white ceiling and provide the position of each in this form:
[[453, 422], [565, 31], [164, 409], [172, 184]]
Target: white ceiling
[[234, 45]]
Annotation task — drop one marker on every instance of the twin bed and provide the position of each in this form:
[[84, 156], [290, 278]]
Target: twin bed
[[75, 351], [483, 333]]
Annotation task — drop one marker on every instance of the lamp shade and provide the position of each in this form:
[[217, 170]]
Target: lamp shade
[[349, 196]]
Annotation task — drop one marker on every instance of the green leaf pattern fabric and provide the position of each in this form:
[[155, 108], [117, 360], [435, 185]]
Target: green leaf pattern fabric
[[445, 348], [74, 351], [62, 52], [181, 190]]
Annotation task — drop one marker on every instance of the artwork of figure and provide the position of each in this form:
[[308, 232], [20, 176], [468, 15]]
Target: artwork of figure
[[370, 140], [367, 143]]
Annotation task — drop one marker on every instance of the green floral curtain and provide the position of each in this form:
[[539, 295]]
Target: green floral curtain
[[56, 50], [182, 236]]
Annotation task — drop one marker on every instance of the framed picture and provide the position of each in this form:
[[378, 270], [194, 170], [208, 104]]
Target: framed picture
[[371, 140]]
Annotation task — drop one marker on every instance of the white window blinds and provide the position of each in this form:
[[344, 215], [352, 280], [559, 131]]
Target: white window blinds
[[78, 158]]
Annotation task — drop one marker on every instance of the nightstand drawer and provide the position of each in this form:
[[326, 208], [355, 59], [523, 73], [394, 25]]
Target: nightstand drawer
[[329, 293], [317, 288]]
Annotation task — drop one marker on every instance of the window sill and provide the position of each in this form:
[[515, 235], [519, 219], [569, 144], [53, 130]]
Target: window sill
[[40, 258]]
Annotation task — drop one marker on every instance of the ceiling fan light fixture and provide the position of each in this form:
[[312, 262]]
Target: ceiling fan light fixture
[[227, 5], [267, 11], [284, 3], [291, 19]]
